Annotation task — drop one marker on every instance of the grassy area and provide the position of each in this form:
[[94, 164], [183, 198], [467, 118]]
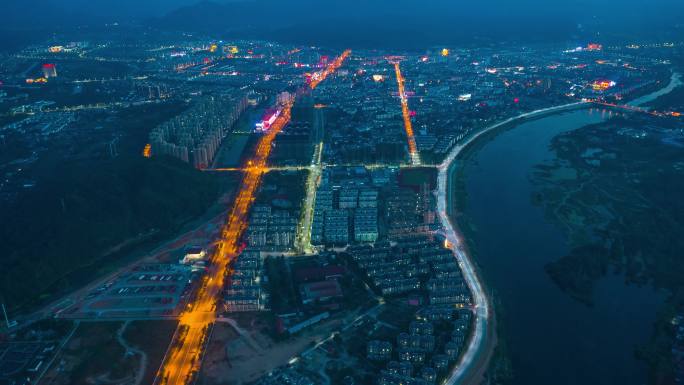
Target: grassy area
[[232, 150], [673, 101], [13, 146], [45, 329], [417, 177], [94, 352], [289, 187], [152, 337], [280, 286], [397, 313]]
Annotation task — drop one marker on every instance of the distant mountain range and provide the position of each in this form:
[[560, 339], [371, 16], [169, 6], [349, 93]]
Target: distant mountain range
[[415, 23], [22, 14], [355, 23], [361, 23]]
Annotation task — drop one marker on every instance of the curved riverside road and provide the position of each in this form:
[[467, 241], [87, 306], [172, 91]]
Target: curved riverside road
[[475, 359]]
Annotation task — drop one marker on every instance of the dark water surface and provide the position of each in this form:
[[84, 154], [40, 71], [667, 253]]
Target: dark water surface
[[551, 338]]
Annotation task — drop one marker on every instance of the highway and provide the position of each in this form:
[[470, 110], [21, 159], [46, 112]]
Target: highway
[[408, 127], [475, 359], [183, 359]]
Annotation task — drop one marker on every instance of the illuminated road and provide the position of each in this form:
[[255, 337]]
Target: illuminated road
[[303, 240], [636, 105], [413, 149], [147, 150], [318, 77], [183, 359], [475, 359], [265, 169], [370, 166], [629, 107]]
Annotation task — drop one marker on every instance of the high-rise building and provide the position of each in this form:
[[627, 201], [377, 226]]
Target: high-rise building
[[195, 135]]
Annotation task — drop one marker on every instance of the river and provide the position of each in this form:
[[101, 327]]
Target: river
[[550, 338], [675, 81]]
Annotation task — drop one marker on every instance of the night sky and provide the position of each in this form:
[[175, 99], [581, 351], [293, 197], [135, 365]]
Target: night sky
[[366, 21]]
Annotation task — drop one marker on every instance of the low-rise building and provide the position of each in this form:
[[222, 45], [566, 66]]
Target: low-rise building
[[337, 226], [244, 287], [349, 198], [322, 291], [379, 350], [366, 224]]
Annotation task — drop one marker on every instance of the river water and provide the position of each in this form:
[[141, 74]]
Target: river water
[[550, 338], [675, 81]]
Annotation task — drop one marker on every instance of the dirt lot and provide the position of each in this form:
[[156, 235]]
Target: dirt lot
[[241, 351]]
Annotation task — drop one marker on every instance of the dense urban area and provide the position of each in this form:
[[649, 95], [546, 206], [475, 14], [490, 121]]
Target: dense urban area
[[185, 210]]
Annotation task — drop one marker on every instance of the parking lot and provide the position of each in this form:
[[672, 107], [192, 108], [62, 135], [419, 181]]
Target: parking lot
[[148, 290]]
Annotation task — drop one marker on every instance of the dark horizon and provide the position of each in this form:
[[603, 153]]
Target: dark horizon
[[358, 23]]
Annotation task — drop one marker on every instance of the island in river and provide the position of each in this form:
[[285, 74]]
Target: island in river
[[568, 217], [615, 188]]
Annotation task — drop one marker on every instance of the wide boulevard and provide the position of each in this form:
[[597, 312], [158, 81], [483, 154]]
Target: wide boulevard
[[183, 359]]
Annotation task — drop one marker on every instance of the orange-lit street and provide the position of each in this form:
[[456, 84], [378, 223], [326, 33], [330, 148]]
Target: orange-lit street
[[318, 77], [184, 357], [637, 109], [413, 149], [147, 151]]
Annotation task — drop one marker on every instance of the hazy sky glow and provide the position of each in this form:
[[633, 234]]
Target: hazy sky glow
[[366, 21], [547, 8], [620, 8]]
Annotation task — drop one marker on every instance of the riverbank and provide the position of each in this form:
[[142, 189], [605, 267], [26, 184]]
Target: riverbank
[[675, 81], [475, 360], [480, 350]]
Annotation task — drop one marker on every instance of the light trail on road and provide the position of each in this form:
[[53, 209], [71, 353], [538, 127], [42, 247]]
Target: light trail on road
[[183, 359], [413, 149]]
